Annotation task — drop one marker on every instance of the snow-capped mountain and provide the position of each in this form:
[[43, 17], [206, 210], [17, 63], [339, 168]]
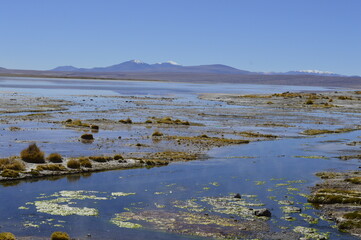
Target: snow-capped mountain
[[312, 72]]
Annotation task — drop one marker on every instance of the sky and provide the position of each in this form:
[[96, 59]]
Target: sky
[[254, 35]]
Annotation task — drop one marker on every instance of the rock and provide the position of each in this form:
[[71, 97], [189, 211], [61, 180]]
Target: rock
[[238, 196], [263, 212]]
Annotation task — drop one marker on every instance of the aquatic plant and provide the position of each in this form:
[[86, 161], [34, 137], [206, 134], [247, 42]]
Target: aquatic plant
[[126, 121], [157, 134], [309, 102], [331, 196], [257, 135], [8, 173], [7, 236], [87, 136], [327, 175], [311, 233], [353, 215], [54, 158], [118, 157], [50, 167], [59, 236], [76, 123], [354, 180], [169, 120], [85, 162], [100, 158], [9, 163], [32, 154], [72, 163]]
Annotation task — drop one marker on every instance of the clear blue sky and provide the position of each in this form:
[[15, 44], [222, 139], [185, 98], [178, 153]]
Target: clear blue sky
[[255, 35]]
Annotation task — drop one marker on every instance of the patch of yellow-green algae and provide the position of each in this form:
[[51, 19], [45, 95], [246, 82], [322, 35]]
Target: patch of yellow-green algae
[[187, 223], [62, 203], [311, 233], [327, 131], [206, 141], [312, 157]]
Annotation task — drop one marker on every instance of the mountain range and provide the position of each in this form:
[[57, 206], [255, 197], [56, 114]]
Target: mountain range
[[173, 67]]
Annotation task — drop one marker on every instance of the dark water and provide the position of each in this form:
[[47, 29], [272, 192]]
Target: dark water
[[253, 169]]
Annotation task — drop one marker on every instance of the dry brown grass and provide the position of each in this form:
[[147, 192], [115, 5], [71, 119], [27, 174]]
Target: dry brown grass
[[32, 154], [55, 158], [85, 162], [50, 167], [59, 236], [6, 163], [72, 163]]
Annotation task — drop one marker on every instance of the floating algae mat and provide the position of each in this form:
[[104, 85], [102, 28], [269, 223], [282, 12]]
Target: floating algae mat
[[64, 203]]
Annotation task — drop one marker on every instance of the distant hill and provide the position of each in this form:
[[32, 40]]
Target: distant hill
[[173, 72], [170, 66], [137, 66]]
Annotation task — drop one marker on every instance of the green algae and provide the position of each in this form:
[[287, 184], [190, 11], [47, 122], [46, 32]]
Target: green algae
[[282, 184], [311, 233], [187, 223], [190, 205], [309, 218], [290, 209], [121, 194], [260, 182], [62, 203], [216, 184], [312, 157]]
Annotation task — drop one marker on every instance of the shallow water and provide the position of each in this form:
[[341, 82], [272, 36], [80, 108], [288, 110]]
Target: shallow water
[[262, 168]]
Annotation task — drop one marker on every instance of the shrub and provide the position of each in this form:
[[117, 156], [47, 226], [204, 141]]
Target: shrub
[[157, 134], [148, 121], [85, 162], [94, 127], [32, 154], [8, 173], [72, 163], [309, 102], [55, 158], [87, 136], [7, 236], [59, 236], [118, 157]]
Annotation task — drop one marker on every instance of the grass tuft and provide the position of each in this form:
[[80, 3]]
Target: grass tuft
[[32, 154]]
